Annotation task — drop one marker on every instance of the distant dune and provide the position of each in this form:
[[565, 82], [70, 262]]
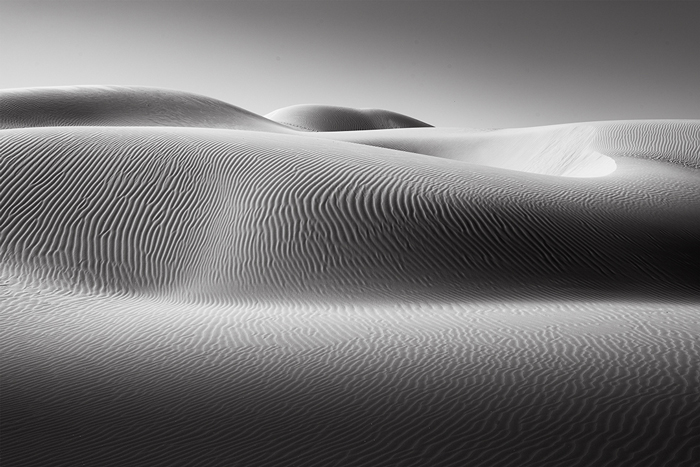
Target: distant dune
[[123, 106], [186, 282], [332, 118]]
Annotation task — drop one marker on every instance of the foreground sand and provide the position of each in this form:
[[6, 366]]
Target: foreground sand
[[185, 282]]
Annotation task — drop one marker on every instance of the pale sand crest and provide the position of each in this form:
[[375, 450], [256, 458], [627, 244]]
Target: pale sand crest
[[256, 295]]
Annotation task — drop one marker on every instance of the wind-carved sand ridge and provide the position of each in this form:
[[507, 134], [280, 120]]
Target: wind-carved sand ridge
[[185, 281]]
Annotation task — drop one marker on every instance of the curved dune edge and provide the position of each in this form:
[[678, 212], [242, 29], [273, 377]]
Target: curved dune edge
[[312, 117], [564, 150], [139, 382], [571, 150]]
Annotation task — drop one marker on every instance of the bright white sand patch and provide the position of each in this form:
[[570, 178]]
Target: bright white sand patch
[[565, 150]]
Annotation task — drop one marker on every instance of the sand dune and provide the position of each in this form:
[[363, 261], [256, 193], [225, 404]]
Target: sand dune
[[676, 141], [123, 106], [222, 213], [565, 150], [333, 118], [194, 288], [573, 150]]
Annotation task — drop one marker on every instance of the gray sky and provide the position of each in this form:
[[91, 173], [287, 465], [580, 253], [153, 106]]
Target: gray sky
[[471, 64]]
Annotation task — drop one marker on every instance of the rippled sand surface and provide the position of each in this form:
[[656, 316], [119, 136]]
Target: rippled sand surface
[[184, 282]]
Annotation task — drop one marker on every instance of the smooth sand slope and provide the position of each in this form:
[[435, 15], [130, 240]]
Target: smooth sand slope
[[333, 118], [180, 295], [123, 106]]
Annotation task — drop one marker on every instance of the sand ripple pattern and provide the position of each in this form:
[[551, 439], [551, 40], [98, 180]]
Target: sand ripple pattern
[[140, 382], [217, 214], [676, 141], [565, 150], [123, 106], [254, 295]]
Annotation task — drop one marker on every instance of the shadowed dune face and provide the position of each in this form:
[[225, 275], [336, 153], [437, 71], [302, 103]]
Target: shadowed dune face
[[332, 118], [123, 106], [249, 294]]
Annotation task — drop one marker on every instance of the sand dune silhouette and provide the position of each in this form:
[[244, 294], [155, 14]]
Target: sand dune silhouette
[[186, 281]]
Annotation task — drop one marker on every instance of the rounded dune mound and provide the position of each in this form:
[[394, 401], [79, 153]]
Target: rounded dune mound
[[332, 118], [123, 106]]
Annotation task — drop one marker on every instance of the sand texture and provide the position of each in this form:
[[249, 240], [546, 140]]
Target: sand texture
[[183, 282]]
